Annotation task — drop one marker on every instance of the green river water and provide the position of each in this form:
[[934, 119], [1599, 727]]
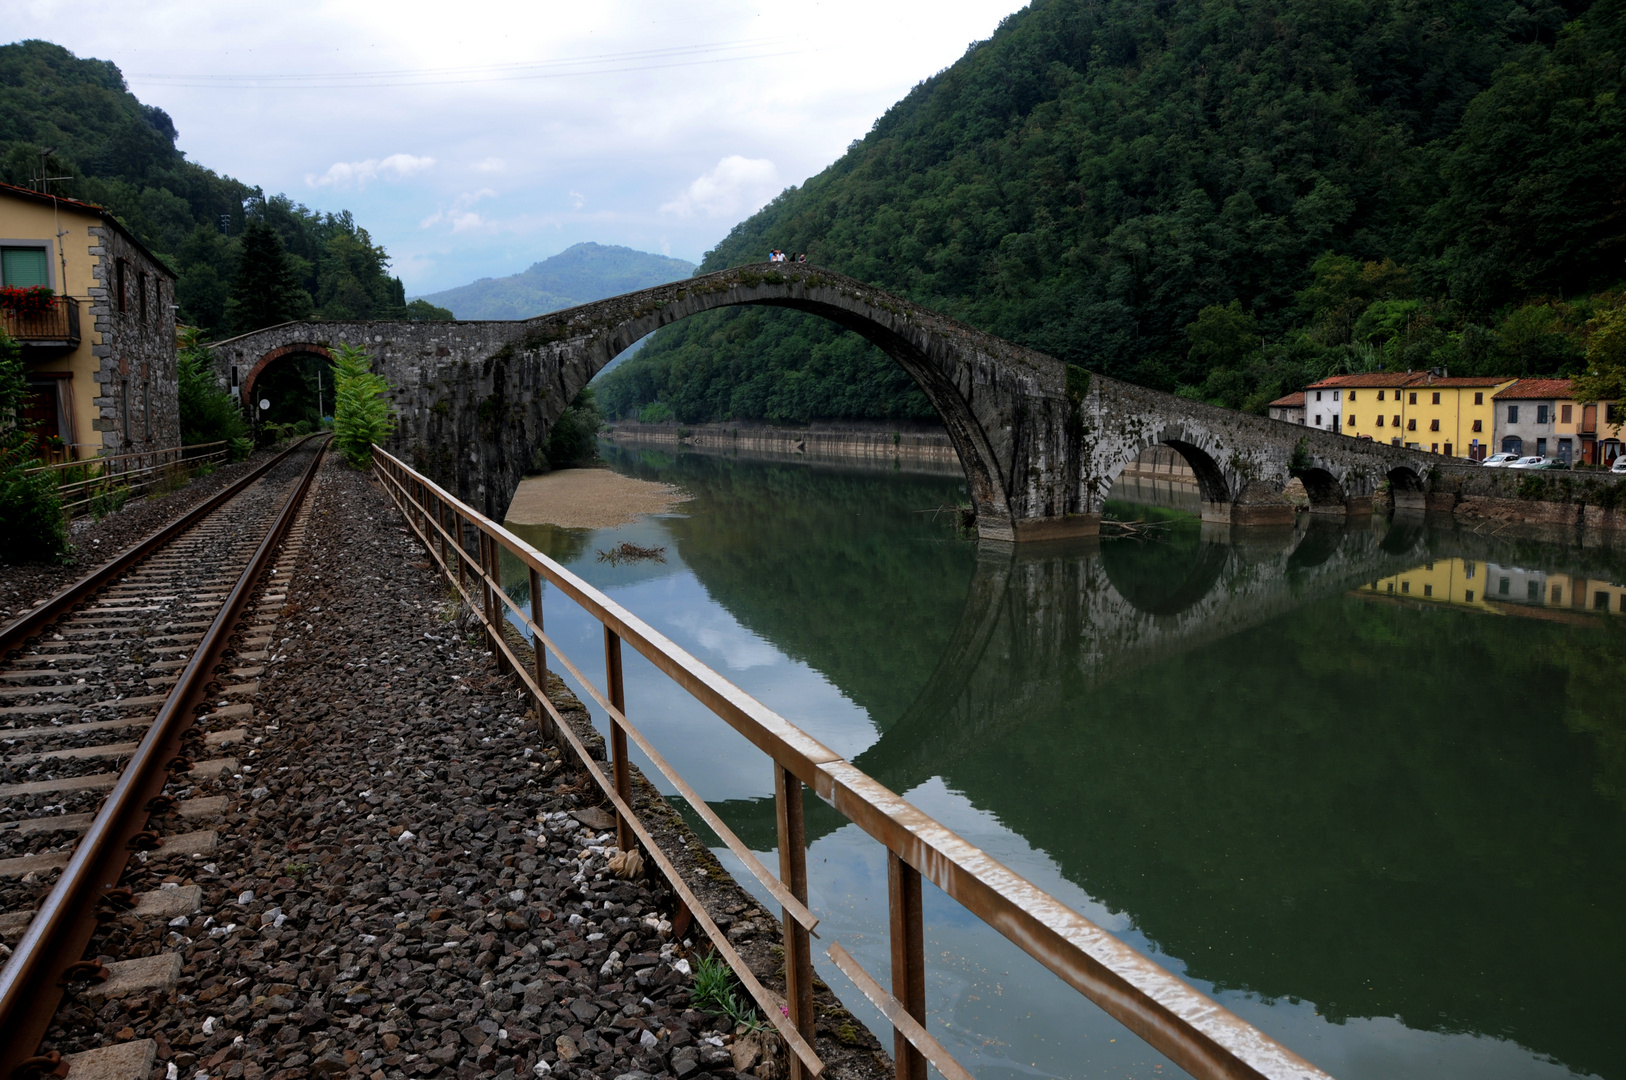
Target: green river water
[[1365, 784]]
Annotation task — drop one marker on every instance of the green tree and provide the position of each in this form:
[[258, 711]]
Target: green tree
[[421, 310], [208, 413], [362, 415], [1605, 375], [574, 438], [265, 291]]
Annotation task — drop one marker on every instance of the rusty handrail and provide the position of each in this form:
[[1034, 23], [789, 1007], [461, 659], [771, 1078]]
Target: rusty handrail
[[1191, 1029], [30, 984]]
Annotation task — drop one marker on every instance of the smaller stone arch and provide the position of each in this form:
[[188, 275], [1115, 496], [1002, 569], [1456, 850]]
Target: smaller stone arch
[[1211, 480], [1406, 489], [1326, 491], [298, 348]]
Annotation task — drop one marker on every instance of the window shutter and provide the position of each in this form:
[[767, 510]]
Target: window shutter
[[24, 267]]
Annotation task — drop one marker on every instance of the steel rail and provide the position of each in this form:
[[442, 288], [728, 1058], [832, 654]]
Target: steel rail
[[27, 625], [1193, 1030], [31, 981]]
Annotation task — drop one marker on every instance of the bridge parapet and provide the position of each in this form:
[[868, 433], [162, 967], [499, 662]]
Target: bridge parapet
[[1041, 441]]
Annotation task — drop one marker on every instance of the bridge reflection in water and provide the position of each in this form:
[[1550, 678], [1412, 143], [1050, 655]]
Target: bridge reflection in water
[[1384, 810]]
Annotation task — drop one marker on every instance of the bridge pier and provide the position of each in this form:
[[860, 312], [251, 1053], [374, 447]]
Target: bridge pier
[[1066, 527]]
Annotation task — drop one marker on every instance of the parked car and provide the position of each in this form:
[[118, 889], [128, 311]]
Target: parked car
[[1619, 466], [1499, 461], [1538, 462]]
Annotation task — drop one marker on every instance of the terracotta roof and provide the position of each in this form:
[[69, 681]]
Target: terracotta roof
[[1467, 380], [1383, 379], [1525, 389], [1291, 401], [90, 208]]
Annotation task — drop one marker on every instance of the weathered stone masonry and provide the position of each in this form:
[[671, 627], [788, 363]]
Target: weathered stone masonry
[[138, 391], [1041, 441]]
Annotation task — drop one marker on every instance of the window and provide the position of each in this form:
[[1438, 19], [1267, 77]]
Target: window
[[1468, 571], [1380, 395], [1479, 397], [1352, 420], [1558, 594], [1532, 591], [1428, 590], [1433, 425], [1436, 397], [1566, 414], [1397, 424], [1380, 420], [124, 408], [141, 283], [1479, 425], [1352, 395], [24, 267], [118, 285], [1434, 448], [1414, 398], [1468, 595], [1317, 419], [1541, 414], [1391, 586], [1335, 395], [1513, 414], [146, 407], [1541, 447], [1318, 398], [1405, 586], [1411, 425], [1502, 585], [1600, 601]]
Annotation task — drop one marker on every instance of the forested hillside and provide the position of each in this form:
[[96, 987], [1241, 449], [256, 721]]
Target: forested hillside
[[1221, 197], [577, 275], [121, 154]]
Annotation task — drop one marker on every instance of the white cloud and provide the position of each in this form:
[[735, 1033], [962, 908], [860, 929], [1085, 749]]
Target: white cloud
[[490, 164], [343, 174], [460, 215], [577, 200], [735, 188]]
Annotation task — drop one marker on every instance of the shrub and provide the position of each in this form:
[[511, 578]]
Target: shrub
[[208, 413], [361, 414], [31, 524]]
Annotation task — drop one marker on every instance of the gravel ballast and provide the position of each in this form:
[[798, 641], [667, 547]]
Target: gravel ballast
[[409, 882], [94, 542]]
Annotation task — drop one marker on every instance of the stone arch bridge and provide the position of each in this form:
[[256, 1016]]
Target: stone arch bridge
[[1041, 441]]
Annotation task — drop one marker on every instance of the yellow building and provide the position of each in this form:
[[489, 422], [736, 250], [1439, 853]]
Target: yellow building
[[1450, 416], [1501, 590], [100, 361]]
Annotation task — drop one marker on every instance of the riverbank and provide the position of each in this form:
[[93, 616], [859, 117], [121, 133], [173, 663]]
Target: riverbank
[[899, 444], [591, 498]]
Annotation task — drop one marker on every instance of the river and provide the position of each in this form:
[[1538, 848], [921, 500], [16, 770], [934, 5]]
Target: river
[[1364, 784]]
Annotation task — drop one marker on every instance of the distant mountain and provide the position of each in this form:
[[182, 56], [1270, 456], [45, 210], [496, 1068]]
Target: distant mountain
[[577, 275]]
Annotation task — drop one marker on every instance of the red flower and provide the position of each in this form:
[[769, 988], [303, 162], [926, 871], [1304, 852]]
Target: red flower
[[34, 300]]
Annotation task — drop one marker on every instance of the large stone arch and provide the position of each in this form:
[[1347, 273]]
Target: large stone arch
[[1040, 440]]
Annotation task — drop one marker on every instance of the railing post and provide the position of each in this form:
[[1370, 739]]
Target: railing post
[[616, 686], [793, 872], [488, 563], [539, 658], [908, 960]]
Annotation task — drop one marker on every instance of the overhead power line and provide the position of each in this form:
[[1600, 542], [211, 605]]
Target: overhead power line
[[600, 64]]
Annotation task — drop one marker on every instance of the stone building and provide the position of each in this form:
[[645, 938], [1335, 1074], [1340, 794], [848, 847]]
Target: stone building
[[100, 361], [1288, 409]]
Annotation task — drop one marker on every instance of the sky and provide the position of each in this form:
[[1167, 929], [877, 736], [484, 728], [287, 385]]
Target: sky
[[474, 142]]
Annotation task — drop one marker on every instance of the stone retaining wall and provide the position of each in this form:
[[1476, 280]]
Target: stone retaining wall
[[872, 443], [1580, 498]]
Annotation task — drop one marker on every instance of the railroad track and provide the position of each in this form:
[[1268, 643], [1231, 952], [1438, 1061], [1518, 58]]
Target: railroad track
[[122, 704]]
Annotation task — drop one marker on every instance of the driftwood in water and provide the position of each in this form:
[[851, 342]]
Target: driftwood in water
[[630, 552]]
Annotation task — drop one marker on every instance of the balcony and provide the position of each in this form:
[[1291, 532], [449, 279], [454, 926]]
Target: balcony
[[57, 328]]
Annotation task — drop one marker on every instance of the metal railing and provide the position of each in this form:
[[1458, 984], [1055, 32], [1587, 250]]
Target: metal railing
[[81, 483], [56, 325], [1191, 1029]]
